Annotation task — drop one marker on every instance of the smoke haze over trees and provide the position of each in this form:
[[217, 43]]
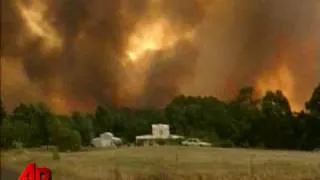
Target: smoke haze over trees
[[77, 54]]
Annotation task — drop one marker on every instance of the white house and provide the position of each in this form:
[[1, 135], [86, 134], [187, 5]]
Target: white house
[[159, 132]]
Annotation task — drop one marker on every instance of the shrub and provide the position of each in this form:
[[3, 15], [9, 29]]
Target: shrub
[[55, 154], [17, 144], [67, 140], [226, 143], [139, 142], [175, 141], [161, 141], [6, 134]]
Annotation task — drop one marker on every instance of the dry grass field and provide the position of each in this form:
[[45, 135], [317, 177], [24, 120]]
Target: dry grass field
[[170, 162]]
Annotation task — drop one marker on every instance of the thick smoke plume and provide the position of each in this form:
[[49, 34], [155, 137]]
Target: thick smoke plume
[[75, 54], [273, 44]]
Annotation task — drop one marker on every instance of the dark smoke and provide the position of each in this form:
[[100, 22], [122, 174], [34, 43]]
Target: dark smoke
[[168, 73], [240, 45], [85, 67], [94, 33], [10, 29], [187, 14], [266, 23], [236, 43]]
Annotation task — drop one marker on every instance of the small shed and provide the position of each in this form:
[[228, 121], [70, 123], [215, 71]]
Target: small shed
[[160, 135]]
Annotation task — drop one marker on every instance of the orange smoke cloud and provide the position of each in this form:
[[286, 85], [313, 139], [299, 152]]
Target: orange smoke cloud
[[151, 35], [77, 54], [282, 76]]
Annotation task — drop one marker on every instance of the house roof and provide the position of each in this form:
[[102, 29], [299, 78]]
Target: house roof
[[147, 136]]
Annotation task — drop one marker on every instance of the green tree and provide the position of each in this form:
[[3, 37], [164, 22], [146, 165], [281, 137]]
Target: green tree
[[65, 138], [22, 133], [36, 117], [313, 105], [244, 121], [83, 124], [101, 118], [41, 119], [307, 130], [245, 111], [310, 122], [68, 140], [203, 117], [277, 120], [6, 133]]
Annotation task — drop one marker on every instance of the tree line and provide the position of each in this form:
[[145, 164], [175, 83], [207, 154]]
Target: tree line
[[245, 121]]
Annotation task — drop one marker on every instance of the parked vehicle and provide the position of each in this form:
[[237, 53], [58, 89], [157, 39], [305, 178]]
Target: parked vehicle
[[195, 142]]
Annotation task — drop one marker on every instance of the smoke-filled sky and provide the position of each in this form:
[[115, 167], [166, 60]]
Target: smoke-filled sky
[[74, 54]]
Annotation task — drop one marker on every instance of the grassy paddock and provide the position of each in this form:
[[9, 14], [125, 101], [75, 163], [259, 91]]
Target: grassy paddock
[[170, 162]]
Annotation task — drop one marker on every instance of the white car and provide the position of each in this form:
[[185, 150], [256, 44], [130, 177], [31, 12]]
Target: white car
[[195, 142]]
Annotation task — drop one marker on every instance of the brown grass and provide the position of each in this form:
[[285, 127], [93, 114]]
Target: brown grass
[[169, 162]]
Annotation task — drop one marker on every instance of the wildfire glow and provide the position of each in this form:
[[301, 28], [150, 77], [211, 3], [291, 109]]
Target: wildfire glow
[[148, 38], [280, 79], [61, 103], [58, 103], [56, 98], [153, 37], [34, 19], [143, 45]]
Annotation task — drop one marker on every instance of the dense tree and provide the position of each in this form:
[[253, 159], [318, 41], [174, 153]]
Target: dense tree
[[41, 119], [311, 122], [313, 105], [83, 124], [64, 137], [101, 118], [277, 120], [245, 121], [6, 133], [244, 108], [202, 117], [34, 120]]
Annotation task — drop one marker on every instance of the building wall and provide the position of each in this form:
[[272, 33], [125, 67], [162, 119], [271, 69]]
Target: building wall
[[161, 131]]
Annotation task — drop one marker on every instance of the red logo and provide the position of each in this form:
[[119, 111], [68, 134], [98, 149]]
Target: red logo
[[31, 172]]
